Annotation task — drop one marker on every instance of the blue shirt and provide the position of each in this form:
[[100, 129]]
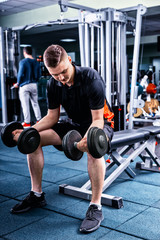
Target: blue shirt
[[29, 72]]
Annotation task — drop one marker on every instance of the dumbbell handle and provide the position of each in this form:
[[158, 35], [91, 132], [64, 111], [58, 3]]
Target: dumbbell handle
[[75, 144]]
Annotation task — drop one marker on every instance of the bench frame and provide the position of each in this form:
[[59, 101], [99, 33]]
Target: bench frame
[[150, 162]]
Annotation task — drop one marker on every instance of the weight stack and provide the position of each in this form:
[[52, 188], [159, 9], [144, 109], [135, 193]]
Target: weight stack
[[118, 117]]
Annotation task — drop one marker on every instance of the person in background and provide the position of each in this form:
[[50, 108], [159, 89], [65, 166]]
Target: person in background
[[28, 75]]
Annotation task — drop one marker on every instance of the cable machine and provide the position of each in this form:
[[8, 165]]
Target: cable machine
[[9, 56], [102, 39]]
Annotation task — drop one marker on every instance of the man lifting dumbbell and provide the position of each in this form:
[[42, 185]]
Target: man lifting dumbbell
[[81, 92]]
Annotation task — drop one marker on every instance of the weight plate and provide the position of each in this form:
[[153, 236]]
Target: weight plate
[[28, 141], [6, 133], [97, 142], [89, 137], [68, 145]]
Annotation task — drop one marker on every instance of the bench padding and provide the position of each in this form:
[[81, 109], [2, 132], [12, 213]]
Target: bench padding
[[128, 137]]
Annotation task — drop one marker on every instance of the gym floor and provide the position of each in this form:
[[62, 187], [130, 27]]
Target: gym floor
[[62, 216]]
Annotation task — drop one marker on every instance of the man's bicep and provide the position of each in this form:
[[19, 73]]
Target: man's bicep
[[97, 114], [96, 95], [54, 113]]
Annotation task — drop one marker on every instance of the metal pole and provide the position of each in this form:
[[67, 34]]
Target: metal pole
[[102, 53], [98, 50], [7, 51], [118, 64], [112, 74], [3, 86], [108, 58], [141, 10], [64, 4], [92, 46], [81, 38], [87, 45], [123, 70]]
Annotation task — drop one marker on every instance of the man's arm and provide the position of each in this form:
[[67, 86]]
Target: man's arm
[[45, 123], [49, 120], [97, 118], [19, 75], [97, 121]]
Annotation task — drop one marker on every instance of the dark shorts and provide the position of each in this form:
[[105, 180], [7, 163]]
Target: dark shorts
[[66, 125]]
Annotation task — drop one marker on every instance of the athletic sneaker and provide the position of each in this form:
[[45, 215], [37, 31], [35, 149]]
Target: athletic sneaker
[[25, 125], [92, 220], [31, 201]]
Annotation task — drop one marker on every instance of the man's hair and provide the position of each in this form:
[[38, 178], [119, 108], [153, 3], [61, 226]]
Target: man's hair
[[53, 55], [28, 50]]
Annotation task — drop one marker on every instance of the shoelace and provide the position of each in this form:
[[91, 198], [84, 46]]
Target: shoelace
[[90, 213], [27, 198]]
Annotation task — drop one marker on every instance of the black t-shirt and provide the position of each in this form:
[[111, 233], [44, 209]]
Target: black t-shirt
[[86, 94]]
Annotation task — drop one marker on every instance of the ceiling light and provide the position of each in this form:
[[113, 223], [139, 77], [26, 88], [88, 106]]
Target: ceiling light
[[25, 45], [68, 40]]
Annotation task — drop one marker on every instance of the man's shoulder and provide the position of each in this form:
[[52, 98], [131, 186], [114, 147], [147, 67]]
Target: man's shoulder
[[52, 82], [87, 72], [23, 60]]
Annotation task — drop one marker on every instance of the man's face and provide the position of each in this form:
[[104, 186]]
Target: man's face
[[63, 72]]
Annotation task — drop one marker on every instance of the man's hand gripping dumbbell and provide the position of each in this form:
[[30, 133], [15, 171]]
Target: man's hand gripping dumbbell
[[26, 140], [96, 144]]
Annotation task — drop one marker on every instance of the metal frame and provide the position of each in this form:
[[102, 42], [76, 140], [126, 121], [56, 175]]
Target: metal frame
[[3, 79], [8, 64], [106, 21], [84, 193], [141, 10]]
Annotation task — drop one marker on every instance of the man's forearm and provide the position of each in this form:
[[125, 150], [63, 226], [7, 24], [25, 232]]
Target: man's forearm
[[45, 123], [97, 123]]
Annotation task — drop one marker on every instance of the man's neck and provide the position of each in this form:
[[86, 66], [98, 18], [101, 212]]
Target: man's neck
[[72, 77], [28, 56]]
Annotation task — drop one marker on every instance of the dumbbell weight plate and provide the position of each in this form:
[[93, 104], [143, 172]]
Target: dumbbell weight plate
[[28, 141], [68, 145], [6, 133], [97, 142]]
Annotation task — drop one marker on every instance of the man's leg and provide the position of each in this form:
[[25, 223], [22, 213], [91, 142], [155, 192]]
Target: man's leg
[[24, 99], [34, 100], [96, 170], [35, 163], [36, 159]]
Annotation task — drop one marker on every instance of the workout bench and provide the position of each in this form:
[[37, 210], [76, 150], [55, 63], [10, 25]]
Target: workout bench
[[122, 142]]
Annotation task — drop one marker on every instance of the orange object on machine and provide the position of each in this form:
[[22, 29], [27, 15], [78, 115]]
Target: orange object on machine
[[108, 114], [151, 88], [108, 160]]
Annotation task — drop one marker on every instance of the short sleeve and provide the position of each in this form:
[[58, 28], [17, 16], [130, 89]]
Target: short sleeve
[[53, 94], [96, 92]]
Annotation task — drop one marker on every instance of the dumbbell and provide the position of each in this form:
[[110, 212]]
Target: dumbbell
[[96, 141], [28, 140]]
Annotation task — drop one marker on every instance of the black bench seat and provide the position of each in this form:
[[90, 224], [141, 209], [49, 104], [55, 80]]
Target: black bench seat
[[129, 137], [154, 130]]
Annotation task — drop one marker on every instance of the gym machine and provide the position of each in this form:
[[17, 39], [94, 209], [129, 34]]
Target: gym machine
[[102, 39], [9, 56]]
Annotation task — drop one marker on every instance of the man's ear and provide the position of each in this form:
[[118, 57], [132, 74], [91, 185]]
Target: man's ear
[[70, 59]]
